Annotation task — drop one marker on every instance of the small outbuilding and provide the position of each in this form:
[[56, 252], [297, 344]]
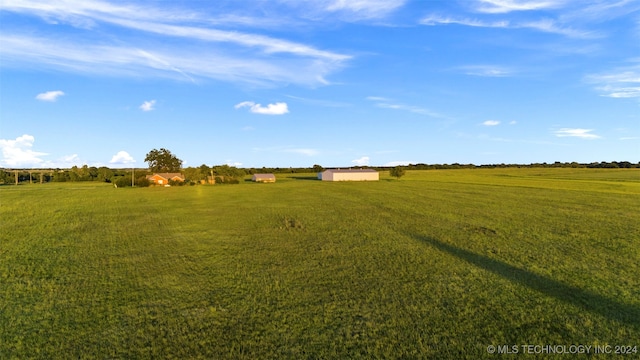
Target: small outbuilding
[[264, 178], [349, 175], [163, 178]]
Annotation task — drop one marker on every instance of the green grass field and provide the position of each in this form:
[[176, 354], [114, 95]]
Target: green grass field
[[439, 264]]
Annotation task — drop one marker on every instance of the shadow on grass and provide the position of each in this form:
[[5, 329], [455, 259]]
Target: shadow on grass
[[305, 178], [587, 300]]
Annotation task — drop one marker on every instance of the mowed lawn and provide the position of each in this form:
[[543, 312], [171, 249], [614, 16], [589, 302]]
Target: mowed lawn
[[439, 264]]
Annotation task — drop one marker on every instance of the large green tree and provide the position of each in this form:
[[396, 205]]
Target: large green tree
[[163, 161]]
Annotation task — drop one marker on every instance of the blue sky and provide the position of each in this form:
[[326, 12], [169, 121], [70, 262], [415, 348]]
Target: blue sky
[[284, 83]]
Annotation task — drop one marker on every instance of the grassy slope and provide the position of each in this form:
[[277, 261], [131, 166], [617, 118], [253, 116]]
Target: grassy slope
[[439, 264]]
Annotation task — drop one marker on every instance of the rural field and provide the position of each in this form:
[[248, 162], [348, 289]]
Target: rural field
[[440, 264]]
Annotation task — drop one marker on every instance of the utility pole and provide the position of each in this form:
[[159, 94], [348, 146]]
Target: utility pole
[[16, 171]]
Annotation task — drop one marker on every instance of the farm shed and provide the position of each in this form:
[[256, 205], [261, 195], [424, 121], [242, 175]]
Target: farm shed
[[163, 178], [265, 178], [349, 175]]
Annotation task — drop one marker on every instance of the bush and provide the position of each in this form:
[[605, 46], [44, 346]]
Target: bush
[[142, 181], [227, 180], [176, 183], [122, 181]]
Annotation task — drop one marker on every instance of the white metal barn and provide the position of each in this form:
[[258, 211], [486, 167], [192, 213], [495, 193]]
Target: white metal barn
[[349, 175], [264, 178]]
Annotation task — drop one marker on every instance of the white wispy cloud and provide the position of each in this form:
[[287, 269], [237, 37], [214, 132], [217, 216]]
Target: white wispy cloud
[[434, 19], [576, 132], [267, 44], [19, 152], [228, 55], [122, 158], [386, 103], [365, 8], [50, 96], [302, 151], [363, 161], [69, 161], [320, 102], [491, 123], [347, 10], [291, 149], [233, 163], [620, 92], [399, 163], [180, 63], [543, 25], [148, 105], [486, 70], [378, 98], [603, 10], [554, 27], [505, 6], [279, 108], [622, 82]]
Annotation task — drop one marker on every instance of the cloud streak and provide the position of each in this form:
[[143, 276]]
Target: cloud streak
[[622, 82], [576, 132], [279, 108], [543, 25], [385, 103], [303, 151], [486, 70], [347, 10], [203, 52], [50, 96], [505, 6]]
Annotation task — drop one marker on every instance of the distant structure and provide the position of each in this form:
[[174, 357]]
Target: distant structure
[[163, 178], [264, 178], [349, 175], [209, 180]]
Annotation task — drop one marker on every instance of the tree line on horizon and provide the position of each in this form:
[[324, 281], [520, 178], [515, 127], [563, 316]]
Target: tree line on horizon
[[111, 175], [163, 160]]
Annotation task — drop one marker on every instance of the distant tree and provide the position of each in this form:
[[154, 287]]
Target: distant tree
[[93, 173], [60, 176], [226, 174], [104, 174], [163, 161], [74, 173], [5, 177], [192, 174], [84, 173], [397, 172], [204, 170], [317, 168]]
